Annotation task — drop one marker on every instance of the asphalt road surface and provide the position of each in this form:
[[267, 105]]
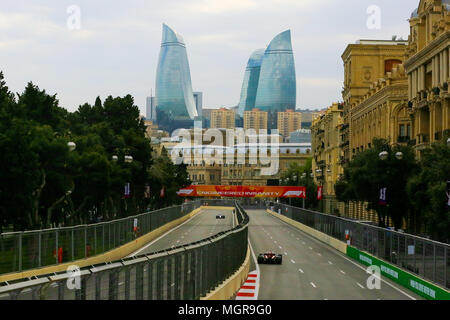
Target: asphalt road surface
[[311, 270], [201, 226]]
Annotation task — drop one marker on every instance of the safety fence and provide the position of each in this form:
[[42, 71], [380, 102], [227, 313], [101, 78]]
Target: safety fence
[[186, 272], [426, 258], [26, 250]]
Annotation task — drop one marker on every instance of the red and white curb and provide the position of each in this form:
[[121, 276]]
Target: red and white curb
[[248, 289]]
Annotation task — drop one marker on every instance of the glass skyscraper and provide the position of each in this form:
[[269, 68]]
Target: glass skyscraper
[[250, 84], [174, 95], [277, 83]]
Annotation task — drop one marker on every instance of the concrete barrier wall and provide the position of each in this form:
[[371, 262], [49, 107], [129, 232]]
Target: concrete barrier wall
[[232, 285], [112, 255], [338, 245]]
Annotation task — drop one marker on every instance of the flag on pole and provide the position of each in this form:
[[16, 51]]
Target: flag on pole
[[162, 193], [382, 201], [319, 192], [127, 192]]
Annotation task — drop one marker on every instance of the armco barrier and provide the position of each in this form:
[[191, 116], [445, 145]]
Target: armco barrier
[[112, 255], [21, 251], [322, 222], [406, 279], [186, 272], [427, 259]]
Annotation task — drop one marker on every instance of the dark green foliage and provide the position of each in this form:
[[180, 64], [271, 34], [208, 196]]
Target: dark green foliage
[[43, 183]]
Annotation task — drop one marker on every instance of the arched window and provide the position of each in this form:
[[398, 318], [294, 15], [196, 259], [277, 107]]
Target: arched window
[[391, 64]]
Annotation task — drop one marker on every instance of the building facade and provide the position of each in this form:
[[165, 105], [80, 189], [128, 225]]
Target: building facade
[[255, 119], [428, 70], [277, 82], [222, 118], [174, 95], [364, 63], [250, 83], [325, 136], [288, 122]]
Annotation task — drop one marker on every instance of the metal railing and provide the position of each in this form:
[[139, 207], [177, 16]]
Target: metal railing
[[21, 251], [183, 273], [426, 258]]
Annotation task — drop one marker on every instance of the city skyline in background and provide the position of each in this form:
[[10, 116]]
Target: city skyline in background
[[115, 50]]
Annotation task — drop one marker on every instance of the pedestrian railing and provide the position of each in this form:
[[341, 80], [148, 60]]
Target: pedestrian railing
[[426, 258], [26, 250], [183, 273]]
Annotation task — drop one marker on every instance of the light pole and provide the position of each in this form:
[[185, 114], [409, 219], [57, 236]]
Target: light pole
[[384, 155], [126, 159]]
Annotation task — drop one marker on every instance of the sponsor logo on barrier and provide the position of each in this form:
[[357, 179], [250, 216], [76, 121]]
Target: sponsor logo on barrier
[[424, 289], [365, 259], [389, 271]]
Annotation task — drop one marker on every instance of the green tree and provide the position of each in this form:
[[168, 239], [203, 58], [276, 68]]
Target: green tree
[[427, 193], [366, 174], [300, 175]]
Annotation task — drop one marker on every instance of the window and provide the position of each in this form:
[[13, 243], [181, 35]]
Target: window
[[402, 131], [391, 64]]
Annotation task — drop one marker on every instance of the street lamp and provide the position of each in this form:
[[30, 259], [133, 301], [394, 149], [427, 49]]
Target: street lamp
[[383, 155], [115, 158], [71, 145], [399, 155], [448, 142]]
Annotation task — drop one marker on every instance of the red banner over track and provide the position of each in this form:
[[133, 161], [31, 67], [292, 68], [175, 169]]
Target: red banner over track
[[243, 191]]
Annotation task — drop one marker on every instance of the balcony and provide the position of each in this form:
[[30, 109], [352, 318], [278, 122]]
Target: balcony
[[423, 138], [321, 163], [403, 139]]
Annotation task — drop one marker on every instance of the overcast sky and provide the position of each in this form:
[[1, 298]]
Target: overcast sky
[[115, 50]]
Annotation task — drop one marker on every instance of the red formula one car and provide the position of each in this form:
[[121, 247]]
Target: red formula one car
[[270, 258]]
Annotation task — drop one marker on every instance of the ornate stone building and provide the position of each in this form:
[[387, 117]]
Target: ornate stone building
[[364, 63], [427, 67], [325, 145]]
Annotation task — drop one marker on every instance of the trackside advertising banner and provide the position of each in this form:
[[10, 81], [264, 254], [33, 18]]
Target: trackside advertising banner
[[243, 191], [406, 279]]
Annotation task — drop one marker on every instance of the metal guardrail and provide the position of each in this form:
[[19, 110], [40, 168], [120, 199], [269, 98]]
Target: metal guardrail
[[426, 258], [183, 273], [21, 251]]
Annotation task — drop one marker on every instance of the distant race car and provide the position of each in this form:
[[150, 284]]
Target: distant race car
[[270, 258], [220, 216]]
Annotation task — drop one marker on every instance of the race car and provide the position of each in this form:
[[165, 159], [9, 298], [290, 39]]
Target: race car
[[270, 258], [220, 216]]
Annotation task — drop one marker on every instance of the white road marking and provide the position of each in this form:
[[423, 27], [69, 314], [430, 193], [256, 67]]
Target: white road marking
[[312, 283], [285, 253], [330, 262], [351, 261], [292, 261], [342, 271], [298, 239], [300, 270], [319, 254], [360, 285], [280, 247], [310, 248], [165, 234]]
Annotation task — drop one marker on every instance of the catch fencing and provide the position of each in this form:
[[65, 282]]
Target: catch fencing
[[26, 250], [426, 258], [183, 273]]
